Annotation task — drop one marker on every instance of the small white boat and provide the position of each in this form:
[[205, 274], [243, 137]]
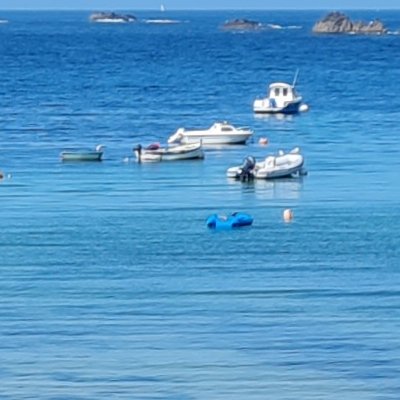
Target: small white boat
[[279, 166], [156, 153], [282, 98], [95, 155], [218, 133]]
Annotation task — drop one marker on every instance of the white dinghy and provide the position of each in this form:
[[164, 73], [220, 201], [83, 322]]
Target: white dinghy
[[279, 166]]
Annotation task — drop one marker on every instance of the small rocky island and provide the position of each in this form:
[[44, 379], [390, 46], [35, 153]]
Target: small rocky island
[[337, 22], [241, 25], [112, 17]]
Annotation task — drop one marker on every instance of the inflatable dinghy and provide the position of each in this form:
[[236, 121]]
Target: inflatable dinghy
[[235, 220]]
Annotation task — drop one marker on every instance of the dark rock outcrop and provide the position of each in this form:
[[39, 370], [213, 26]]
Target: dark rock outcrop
[[241, 24], [112, 17], [337, 22]]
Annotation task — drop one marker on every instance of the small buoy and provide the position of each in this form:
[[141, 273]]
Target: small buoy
[[1, 176], [304, 108], [263, 141], [288, 215]]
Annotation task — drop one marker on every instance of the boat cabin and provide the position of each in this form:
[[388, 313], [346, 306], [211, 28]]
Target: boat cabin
[[282, 93], [223, 127]]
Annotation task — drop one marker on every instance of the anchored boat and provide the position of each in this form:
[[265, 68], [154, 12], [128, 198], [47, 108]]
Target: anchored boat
[[85, 155], [282, 98], [156, 153], [279, 166], [218, 133]]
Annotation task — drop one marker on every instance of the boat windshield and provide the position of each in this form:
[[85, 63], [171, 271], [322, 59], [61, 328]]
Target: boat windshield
[[281, 91]]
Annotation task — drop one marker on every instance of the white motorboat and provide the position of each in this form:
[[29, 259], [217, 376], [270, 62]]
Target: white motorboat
[[218, 133], [282, 98], [156, 153], [279, 166]]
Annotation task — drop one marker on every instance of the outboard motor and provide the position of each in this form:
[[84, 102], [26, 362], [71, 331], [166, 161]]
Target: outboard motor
[[138, 150], [246, 170]]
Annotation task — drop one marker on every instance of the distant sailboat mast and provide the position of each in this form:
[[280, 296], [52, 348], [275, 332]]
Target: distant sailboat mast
[[162, 8]]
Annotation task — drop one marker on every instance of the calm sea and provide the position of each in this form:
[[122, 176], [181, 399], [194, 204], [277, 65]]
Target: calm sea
[[111, 286]]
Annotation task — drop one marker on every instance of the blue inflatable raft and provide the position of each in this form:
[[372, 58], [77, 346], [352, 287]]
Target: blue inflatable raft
[[235, 220]]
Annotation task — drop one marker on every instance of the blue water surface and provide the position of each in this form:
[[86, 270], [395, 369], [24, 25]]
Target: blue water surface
[[112, 287]]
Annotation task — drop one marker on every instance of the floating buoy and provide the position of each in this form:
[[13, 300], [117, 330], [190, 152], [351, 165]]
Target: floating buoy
[[263, 141], [1, 175], [288, 215], [304, 108]]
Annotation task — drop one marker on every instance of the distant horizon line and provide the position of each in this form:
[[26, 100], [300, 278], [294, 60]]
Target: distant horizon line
[[203, 9]]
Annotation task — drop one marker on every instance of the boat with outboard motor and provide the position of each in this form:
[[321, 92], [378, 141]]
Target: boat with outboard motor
[[218, 133], [282, 98], [83, 155], [155, 152], [278, 166], [235, 220]]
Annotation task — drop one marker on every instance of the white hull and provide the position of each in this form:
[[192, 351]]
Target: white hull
[[208, 139], [281, 166], [174, 153], [281, 171], [218, 134], [265, 106]]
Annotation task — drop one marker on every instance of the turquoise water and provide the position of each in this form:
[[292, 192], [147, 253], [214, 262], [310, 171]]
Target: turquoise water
[[111, 285]]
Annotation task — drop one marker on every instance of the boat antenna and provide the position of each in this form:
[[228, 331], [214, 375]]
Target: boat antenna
[[295, 77]]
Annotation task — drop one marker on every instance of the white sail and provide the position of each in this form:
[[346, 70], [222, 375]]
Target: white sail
[[162, 8]]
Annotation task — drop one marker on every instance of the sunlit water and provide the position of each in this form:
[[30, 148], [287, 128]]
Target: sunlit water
[[111, 285]]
